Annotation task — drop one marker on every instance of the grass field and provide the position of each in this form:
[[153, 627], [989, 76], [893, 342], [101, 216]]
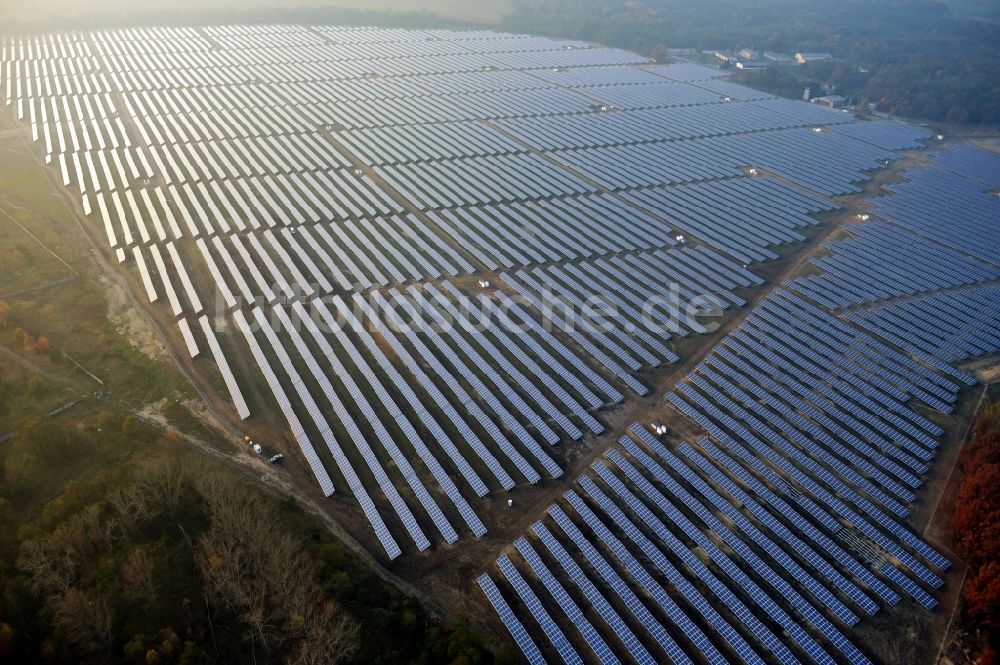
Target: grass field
[[24, 263], [54, 289], [24, 393]]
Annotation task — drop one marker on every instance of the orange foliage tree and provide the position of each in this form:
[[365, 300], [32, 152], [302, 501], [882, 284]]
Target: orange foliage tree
[[25, 339], [43, 345], [976, 522]]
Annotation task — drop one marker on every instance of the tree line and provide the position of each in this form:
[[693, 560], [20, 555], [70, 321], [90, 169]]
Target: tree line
[[976, 529], [909, 57]]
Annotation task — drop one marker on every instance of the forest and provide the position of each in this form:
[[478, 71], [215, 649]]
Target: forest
[[117, 551], [976, 525], [912, 58]]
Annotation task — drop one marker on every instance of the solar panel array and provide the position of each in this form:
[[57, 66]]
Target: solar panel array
[[636, 330], [509, 235], [287, 177], [625, 127], [676, 554], [689, 72], [970, 162], [952, 208], [951, 326], [744, 217], [324, 189], [817, 450], [879, 261], [820, 443], [828, 162], [891, 135]]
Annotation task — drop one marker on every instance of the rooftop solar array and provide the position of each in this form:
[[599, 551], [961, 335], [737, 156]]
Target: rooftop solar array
[[433, 252]]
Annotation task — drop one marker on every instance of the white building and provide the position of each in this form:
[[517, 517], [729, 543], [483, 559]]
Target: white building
[[832, 101], [803, 58]]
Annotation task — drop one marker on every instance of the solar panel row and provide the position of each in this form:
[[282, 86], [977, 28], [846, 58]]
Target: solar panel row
[[464, 106], [746, 530], [891, 135], [952, 209], [629, 306], [541, 231], [668, 510], [624, 127], [880, 262], [949, 326], [611, 87], [827, 162], [806, 358], [971, 162], [327, 61], [417, 143], [481, 181], [743, 217]]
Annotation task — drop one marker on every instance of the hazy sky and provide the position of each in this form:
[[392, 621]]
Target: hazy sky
[[44, 11]]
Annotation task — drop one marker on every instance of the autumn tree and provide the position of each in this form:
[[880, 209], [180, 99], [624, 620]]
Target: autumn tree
[[88, 619], [161, 482], [265, 577], [127, 506], [49, 572], [112, 571], [52, 563], [329, 637], [976, 521], [139, 574], [25, 339], [982, 592], [43, 345]]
